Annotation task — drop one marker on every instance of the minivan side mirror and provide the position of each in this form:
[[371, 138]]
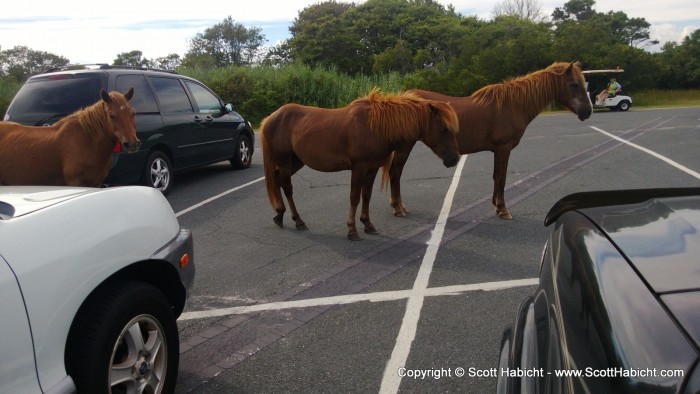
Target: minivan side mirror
[[228, 108]]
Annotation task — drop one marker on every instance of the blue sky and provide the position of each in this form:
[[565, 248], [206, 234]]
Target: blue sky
[[95, 32]]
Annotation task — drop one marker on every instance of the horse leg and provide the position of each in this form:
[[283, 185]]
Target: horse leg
[[366, 196], [289, 193], [279, 202], [356, 182], [400, 158], [500, 169]]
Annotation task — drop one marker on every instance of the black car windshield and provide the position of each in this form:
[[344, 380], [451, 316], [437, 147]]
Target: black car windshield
[[45, 100]]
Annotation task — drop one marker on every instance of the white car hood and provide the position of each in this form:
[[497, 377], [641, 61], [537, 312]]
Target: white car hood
[[16, 201]]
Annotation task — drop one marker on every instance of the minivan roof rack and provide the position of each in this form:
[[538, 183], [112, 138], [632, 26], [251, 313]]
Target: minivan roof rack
[[104, 66]]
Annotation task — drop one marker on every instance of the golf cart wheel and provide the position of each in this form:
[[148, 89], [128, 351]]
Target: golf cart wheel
[[624, 105]]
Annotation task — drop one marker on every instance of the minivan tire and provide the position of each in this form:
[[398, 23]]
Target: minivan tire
[[158, 172]]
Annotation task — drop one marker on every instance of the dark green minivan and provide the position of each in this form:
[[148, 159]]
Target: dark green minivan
[[181, 123]]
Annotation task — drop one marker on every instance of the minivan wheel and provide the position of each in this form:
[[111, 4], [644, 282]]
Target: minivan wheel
[[124, 340], [244, 153], [158, 172]]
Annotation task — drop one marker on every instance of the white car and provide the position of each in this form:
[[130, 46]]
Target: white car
[[91, 284]]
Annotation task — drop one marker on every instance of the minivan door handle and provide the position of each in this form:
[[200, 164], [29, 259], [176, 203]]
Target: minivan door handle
[[207, 118]]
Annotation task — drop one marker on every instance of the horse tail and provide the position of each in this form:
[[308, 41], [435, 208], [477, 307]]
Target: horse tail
[[269, 167], [386, 171]]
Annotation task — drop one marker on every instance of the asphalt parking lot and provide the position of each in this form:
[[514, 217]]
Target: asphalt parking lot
[[426, 300]]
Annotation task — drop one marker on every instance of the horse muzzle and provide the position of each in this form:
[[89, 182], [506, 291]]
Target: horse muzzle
[[131, 147], [584, 112], [450, 160]]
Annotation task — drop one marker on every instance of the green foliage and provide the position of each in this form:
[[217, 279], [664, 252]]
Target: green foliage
[[225, 44], [132, 59], [681, 63], [258, 91], [8, 89], [667, 98], [20, 62]]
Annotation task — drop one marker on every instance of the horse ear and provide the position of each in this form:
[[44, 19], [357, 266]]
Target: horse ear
[[105, 96], [129, 94]]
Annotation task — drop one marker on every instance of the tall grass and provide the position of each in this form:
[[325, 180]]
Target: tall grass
[[8, 89], [258, 91], [666, 98]]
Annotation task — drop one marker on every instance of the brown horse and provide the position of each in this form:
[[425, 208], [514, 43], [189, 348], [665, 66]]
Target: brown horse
[[75, 151], [494, 119], [359, 137]]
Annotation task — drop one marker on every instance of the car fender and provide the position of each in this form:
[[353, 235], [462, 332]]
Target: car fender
[[78, 244]]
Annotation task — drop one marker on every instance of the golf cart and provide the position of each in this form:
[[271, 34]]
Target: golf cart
[[596, 80]]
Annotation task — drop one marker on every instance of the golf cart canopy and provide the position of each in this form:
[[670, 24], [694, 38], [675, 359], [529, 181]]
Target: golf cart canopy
[[610, 71]]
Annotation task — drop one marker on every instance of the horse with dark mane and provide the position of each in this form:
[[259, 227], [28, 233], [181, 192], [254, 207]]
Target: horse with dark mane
[[359, 137], [75, 151], [494, 118]]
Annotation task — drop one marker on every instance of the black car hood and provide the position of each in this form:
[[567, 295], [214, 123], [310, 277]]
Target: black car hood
[[660, 237]]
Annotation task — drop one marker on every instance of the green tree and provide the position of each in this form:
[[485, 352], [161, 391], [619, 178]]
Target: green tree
[[278, 55], [504, 48], [403, 35], [578, 10], [322, 35], [682, 63], [20, 62], [228, 43], [131, 59], [170, 62]]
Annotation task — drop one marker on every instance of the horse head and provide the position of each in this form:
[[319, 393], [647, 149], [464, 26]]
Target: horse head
[[572, 92], [122, 118], [440, 136]]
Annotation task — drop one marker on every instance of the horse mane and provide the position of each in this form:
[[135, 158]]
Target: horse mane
[[93, 119], [532, 92], [402, 116]]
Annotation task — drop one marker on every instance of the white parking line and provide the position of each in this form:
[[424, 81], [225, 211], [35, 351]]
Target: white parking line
[[354, 298], [409, 325], [651, 152], [216, 197]]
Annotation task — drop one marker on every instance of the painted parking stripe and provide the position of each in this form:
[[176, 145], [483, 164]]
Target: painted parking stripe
[[651, 152], [409, 325], [218, 196], [355, 298]]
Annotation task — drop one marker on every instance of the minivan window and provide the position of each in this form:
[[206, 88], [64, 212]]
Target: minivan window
[[143, 101], [45, 100], [171, 95], [204, 99]]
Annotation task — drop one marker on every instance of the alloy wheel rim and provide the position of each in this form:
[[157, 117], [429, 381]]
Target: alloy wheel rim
[[140, 358]]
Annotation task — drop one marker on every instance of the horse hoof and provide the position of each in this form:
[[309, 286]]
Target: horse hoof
[[505, 215], [302, 226], [354, 237], [278, 221], [371, 231], [399, 213]]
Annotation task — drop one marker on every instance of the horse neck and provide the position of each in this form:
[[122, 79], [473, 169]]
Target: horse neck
[[525, 97], [93, 126]]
